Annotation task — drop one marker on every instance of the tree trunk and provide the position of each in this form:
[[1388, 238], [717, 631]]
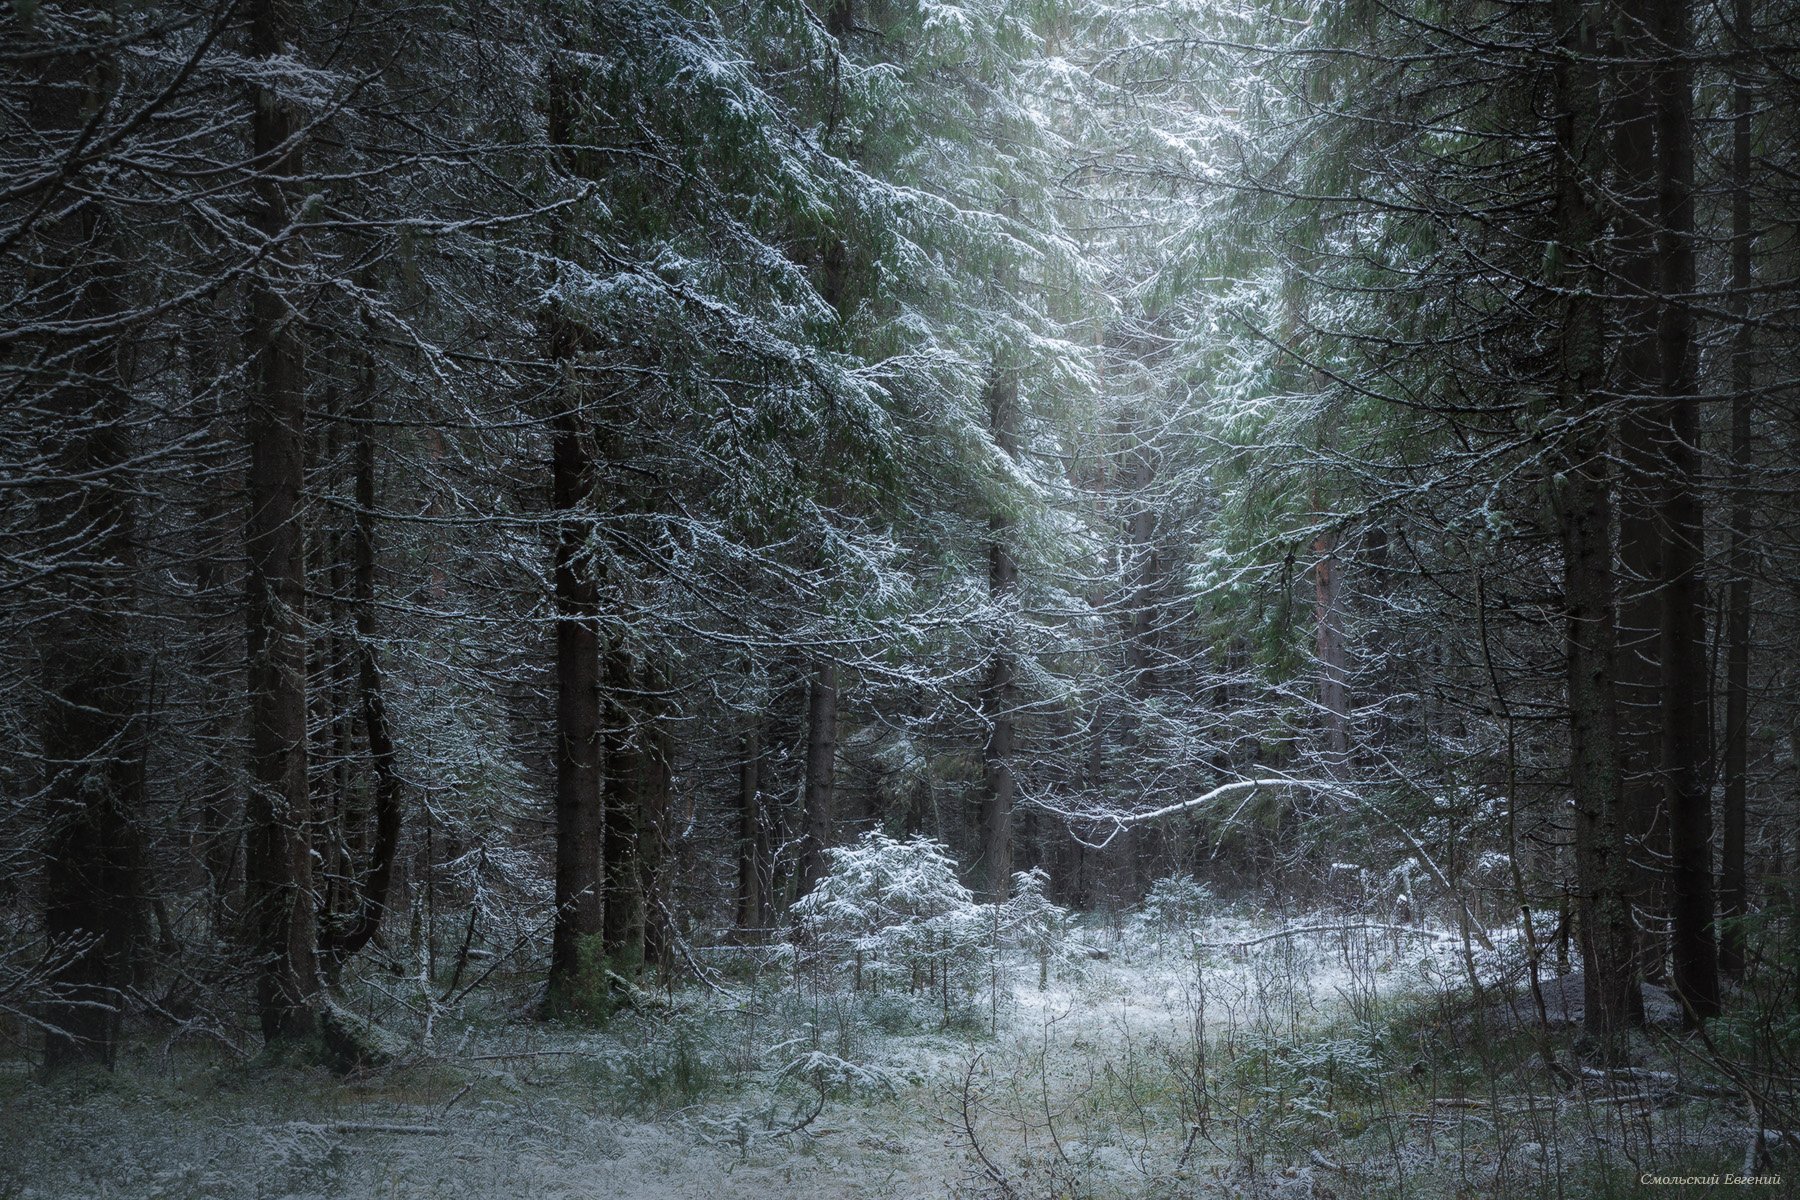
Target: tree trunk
[[371, 892], [1334, 690], [1585, 529], [655, 796], [624, 928], [822, 692], [1640, 485], [840, 19], [579, 809], [999, 691], [338, 814], [279, 877], [218, 846], [821, 771], [1686, 673], [94, 895], [1141, 655], [1733, 892], [580, 802], [753, 837]]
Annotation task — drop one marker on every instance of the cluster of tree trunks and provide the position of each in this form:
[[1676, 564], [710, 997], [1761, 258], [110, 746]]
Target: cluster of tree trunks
[[1640, 753], [326, 794]]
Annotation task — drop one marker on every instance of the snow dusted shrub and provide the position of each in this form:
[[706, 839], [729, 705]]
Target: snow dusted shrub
[[1297, 1092], [1032, 922], [895, 912], [664, 1058], [1174, 905]]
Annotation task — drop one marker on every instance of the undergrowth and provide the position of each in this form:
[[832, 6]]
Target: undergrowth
[[1219, 1057]]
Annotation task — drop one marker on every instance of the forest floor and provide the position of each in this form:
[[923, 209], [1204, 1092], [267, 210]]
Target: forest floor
[[1234, 1060]]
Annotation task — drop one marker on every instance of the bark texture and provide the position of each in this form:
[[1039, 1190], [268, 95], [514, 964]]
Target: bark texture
[[280, 897], [1641, 480], [999, 692], [1733, 890], [376, 881], [821, 773], [1585, 531], [1686, 671], [579, 812]]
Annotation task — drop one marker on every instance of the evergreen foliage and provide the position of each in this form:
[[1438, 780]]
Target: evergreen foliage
[[500, 492]]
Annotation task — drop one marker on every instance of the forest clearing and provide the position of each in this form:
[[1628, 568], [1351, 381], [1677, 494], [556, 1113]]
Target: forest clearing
[[1208, 1055], [1008, 599]]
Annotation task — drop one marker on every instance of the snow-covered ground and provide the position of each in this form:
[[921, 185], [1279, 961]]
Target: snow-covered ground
[[1098, 1084]]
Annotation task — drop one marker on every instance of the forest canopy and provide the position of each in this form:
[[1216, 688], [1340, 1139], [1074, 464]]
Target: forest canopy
[[553, 490]]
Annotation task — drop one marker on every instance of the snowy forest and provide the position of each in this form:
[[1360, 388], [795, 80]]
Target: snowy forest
[[1025, 599]]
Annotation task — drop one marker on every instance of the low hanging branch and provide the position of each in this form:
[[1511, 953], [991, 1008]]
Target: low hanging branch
[[1250, 786], [1121, 824]]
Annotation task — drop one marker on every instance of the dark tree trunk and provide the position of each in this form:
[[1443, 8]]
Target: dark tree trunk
[[821, 772], [818, 807], [371, 892], [840, 20], [656, 865], [580, 745], [753, 836], [579, 808], [1141, 654], [1585, 529], [279, 876], [625, 770], [92, 713], [94, 894], [338, 811], [999, 786], [1641, 485], [1334, 687], [999, 691], [218, 846], [1733, 892], [1686, 673]]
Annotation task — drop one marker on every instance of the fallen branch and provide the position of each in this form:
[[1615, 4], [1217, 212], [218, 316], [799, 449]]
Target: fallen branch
[[1296, 931], [1660, 1083]]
